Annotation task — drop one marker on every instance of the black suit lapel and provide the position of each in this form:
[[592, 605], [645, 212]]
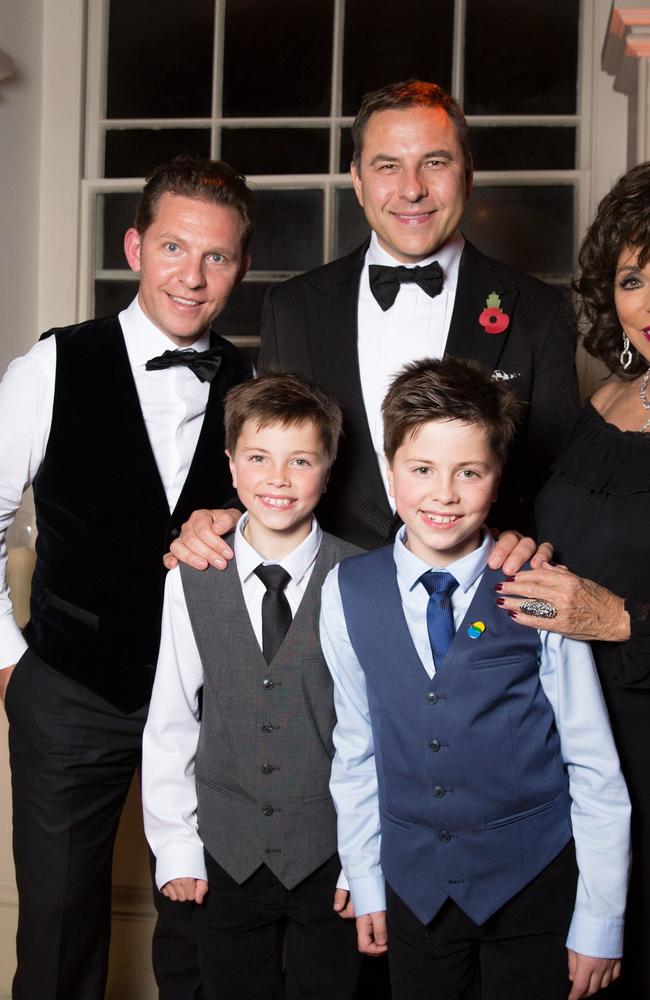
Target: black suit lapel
[[477, 278], [333, 331]]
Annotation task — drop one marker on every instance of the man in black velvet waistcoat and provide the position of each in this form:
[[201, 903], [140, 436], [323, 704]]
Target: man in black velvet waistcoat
[[111, 436]]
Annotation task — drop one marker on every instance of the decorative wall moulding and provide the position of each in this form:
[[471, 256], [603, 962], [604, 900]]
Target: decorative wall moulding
[[627, 41], [7, 68]]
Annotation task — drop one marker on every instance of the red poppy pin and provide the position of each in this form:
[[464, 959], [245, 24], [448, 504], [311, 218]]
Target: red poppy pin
[[493, 319]]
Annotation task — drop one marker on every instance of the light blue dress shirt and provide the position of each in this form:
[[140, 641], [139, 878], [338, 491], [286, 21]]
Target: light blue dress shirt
[[600, 810]]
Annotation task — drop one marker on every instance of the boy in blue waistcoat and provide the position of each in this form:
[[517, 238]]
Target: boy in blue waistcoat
[[474, 759]]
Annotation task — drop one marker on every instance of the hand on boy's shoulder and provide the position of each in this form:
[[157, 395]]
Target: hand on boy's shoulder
[[589, 975], [185, 890], [372, 937], [200, 543]]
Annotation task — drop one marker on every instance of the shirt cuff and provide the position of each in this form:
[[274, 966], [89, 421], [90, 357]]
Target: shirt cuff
[[368, 894], [596, 937], [12, 643], [342, 882], [180, 859]]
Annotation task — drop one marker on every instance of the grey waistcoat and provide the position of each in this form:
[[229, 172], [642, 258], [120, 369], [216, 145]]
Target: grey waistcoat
[[265, 747]]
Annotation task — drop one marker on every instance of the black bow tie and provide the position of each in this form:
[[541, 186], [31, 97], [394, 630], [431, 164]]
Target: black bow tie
[[385, 281], [204, 364]]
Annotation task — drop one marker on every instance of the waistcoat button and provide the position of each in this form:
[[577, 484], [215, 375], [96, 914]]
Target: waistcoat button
[[434, 745], [266, 727], [267, 769], [444, 837], [268, 683], [432, 697], [267, 810], [439, 791]]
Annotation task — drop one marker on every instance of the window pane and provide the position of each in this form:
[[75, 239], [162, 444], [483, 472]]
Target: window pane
[[347, 148], [241, 317], [277, 58], [530, 228], [160, 59], [351, 226], [387, 42], [289, 231], [115, 213], [511, 147], [276, 150], [113, 296], [134, 152], [507, 66]]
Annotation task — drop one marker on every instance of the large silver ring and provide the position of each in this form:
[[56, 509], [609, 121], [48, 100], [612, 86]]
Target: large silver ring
[[540, 609]]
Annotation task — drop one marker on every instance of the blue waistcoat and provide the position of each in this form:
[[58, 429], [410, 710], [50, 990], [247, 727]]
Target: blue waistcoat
[[473, 793]]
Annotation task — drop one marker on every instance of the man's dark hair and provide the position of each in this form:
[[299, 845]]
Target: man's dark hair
[[210, 180], [410, 94], [285, 400], [449, 389], [622, 220]]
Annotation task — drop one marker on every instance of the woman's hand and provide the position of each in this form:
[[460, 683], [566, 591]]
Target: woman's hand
[[585, 610]]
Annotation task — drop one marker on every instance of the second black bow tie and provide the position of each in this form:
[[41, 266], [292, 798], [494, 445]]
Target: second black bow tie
[[385, 281], [204, 364]]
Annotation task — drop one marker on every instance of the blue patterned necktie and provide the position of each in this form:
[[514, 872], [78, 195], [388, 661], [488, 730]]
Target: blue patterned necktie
[[440, 617]]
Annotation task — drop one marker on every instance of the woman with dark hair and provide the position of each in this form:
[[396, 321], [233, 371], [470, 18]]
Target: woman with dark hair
[[595, 509]]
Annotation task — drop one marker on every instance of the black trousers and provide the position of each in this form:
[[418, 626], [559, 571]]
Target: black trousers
[[245, 931], [73, 756], [518, 954]]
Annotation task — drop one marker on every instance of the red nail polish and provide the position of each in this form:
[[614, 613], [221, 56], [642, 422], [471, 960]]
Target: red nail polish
[[498, 586], [501, 601], [513, 614], [510, 579]]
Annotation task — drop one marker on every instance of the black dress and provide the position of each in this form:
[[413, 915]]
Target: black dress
[[595, 509]]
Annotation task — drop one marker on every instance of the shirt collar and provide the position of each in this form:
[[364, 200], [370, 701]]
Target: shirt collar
[[466, 570], [448, 255], [296, 563], [144, 340]]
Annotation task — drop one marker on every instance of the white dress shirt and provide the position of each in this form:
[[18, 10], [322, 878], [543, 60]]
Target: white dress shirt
[[416, 326], [600, 809], [173, 404], [172, 730]]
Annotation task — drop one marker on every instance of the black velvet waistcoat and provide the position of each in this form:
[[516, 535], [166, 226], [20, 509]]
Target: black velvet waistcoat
[[103, 519]]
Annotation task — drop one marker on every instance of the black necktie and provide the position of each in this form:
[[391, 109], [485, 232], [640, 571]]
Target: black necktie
[[385, 281], [204, 364], [276, 613], [439, 585]]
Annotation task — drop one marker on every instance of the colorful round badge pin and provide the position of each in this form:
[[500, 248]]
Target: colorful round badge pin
[[476, 630]]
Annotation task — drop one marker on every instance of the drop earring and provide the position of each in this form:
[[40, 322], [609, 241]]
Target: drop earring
[[626, 354]]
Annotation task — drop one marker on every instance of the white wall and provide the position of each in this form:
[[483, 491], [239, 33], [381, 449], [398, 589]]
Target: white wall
[[21, 31]]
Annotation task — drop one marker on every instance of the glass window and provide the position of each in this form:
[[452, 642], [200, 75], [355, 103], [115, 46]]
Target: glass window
[[113, 296], [523, 147], [277, 150], [388, 42], [160, 59], [133, 152], [351, 227], [507, 66], [289, 230], [277, 58], [272, 88], [117, 213], [530, 228]]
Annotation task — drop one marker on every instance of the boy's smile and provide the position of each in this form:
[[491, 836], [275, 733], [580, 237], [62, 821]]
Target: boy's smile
[[279, 473], [444, 479]]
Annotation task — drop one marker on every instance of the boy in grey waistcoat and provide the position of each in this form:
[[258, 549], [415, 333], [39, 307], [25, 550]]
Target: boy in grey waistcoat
[[238, 744]]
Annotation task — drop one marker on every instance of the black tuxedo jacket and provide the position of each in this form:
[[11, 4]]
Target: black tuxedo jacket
[[309, 327]]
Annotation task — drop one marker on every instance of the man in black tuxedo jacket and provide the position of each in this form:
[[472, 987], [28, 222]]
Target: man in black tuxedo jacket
[[117, 422], [412, 173], [417, 288]]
